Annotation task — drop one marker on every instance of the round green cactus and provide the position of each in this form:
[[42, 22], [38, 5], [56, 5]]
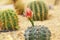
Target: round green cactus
[[37, 33], [9, 20], [39, 9]]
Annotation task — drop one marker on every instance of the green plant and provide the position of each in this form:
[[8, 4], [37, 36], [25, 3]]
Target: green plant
[[9, 20], [36, 32], [39, 9]]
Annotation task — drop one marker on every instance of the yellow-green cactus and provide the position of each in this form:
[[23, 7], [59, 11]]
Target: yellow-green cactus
[[9, 20]]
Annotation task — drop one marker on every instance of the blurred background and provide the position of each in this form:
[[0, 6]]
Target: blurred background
[[3, 2]]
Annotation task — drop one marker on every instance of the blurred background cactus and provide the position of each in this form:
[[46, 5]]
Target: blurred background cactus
[[9, 20], [19, 6], [39, 9], [57, 2]]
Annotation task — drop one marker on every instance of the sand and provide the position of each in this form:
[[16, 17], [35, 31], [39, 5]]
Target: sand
[[53, 24]]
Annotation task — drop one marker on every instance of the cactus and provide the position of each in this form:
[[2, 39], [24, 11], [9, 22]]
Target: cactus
[[9, 20], [19, 6], [37, 33], [39, 9]]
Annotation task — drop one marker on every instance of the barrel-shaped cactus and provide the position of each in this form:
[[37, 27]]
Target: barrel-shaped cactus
[[39, 9], [37, 33], [9, 20], [19, 6]]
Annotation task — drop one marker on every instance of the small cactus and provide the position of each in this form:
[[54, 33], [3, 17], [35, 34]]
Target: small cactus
[[37, 33], [9, 20]]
